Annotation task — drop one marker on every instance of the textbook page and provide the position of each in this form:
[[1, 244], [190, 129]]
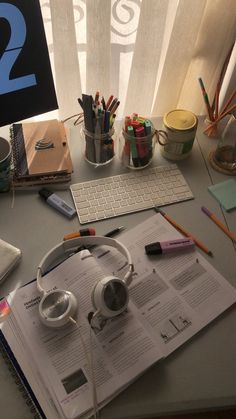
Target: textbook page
[[174, 295], [121, 347]]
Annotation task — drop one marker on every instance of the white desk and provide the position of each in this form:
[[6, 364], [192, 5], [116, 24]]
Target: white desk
[[200, 375]]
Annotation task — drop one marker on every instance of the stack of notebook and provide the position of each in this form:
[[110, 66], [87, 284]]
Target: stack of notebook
[[41, 153]]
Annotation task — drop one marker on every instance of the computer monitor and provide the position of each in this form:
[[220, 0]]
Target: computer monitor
[[26, 81]]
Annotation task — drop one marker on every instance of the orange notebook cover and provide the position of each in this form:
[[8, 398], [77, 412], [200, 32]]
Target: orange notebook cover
[[40, 148]]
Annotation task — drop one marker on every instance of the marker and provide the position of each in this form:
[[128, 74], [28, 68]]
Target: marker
[[184, 232], [132, 140], [81, 103], [109, 101], [80, 233], [103, 103], [56, 202], [115, 106], [97, 138], [148, 131], [107, 121], [112, 104], [171, 246], [141, 145]]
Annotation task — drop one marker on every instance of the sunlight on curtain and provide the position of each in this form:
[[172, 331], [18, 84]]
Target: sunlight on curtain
[[148, 53]]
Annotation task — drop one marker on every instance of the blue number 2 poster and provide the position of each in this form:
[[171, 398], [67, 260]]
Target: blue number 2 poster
[[26, 82]]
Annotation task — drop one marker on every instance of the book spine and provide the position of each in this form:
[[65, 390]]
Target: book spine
[[20, 380]]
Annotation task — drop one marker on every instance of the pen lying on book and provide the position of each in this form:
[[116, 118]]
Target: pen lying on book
[[212, 216], [113, 233], [184, 232]]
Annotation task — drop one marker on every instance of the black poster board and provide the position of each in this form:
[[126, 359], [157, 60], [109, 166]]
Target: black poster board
[[26, 81]]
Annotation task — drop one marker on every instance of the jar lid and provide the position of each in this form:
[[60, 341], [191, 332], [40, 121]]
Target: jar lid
[[179, 119]]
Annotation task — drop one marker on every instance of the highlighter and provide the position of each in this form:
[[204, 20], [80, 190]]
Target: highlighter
[[159, 248], [142, 146], [80, 233], [56, 202], [132, 139]]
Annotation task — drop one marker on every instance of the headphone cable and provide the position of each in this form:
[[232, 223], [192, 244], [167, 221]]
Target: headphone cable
[[90, 364]]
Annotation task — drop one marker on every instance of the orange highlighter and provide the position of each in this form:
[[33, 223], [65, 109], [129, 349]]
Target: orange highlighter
[[80, 233]]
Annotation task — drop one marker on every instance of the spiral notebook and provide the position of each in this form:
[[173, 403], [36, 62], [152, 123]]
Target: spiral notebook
[[20, 380], [40, 152]]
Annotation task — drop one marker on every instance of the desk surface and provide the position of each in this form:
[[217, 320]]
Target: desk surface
[[198, 376]]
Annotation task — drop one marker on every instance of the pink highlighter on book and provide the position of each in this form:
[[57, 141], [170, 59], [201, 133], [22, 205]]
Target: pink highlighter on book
[[170, 246]]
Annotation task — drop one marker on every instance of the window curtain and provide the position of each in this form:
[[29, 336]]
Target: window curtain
[[148, 53]]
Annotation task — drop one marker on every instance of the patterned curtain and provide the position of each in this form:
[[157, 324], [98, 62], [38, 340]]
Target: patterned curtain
[[148, 53]]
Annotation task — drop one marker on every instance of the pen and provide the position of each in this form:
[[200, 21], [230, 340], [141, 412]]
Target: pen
[[112, 233], [184, 232], [212, 216], [114, 107]]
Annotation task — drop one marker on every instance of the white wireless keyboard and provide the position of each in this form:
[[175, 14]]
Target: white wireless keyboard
[[129, 192]]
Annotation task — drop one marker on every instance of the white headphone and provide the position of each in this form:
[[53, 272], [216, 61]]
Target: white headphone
[[110, 295]]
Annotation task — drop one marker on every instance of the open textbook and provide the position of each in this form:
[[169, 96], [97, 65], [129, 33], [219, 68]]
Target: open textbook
[[172, 297]]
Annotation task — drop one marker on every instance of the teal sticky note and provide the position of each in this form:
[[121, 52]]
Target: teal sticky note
[[225, 193]]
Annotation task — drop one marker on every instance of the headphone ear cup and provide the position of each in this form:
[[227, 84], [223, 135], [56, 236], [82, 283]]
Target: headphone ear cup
[[110, 296], [57, 307]]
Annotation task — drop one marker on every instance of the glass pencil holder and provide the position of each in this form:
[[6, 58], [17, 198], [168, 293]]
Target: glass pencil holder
[[99, 148], [223, 158], [137, 152]]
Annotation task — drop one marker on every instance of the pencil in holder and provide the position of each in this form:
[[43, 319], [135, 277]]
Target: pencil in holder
[[137, 144], [99, 148]]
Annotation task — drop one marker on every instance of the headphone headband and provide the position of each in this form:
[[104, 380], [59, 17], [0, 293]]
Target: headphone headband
[[72, 245]]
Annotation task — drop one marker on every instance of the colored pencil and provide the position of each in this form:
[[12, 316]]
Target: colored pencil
[[184, 232], [212, 216], [206, 100]]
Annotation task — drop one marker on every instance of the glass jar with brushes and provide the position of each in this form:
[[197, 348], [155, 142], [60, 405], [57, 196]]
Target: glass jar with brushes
[[223, 158]]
